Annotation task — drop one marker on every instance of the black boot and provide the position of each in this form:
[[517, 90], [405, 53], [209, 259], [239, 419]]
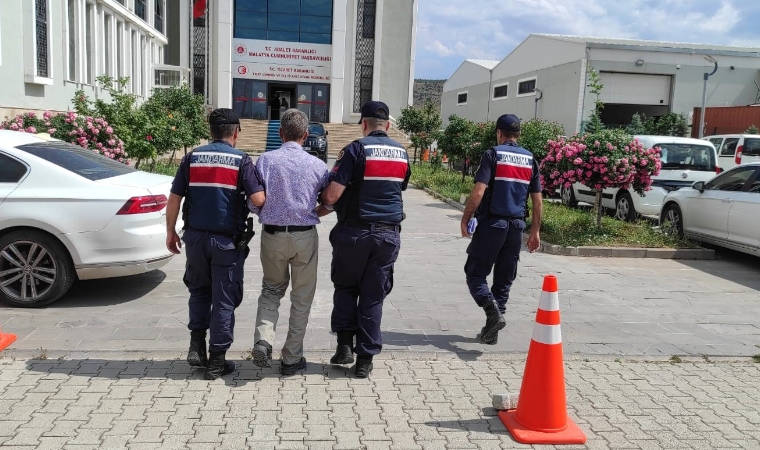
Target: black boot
[[262, 354], [344, 354], [218, 366], [196, 355], [494, 322], [363, 366]]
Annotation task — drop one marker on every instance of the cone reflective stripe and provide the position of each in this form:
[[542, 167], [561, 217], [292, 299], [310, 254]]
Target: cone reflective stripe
[[6, 340], [541, 414]]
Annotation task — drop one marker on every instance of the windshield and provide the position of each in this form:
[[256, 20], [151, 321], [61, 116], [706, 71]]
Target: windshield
[[316, 128], [81, 161], [751, 147], [687, 156]]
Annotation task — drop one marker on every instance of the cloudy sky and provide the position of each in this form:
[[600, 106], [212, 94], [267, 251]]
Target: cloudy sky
[[451, 30]]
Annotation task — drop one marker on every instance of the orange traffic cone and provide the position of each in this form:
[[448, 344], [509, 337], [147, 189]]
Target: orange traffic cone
[[541, 414], [6, 340]]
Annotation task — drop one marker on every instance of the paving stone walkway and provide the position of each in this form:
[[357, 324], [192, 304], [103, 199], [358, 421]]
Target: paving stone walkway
[[415, 402]]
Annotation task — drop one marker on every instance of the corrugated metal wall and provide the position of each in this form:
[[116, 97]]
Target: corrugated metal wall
[[726, 120]]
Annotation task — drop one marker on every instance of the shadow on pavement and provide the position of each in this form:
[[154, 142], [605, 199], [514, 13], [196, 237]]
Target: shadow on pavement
[[445, 342], [486, 425], [730, 265], [177, 369], [110, 291]]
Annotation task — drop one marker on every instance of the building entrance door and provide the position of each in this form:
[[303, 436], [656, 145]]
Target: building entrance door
[[280, 98]]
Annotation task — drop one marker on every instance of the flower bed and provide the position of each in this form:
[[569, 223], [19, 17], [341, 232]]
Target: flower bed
[[85, 131]]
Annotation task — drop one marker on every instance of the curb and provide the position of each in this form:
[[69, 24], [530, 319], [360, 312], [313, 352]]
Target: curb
[[604, 252]]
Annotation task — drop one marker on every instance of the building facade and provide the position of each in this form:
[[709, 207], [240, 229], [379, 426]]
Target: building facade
[[326, 57], [49, 49], [546, 76]]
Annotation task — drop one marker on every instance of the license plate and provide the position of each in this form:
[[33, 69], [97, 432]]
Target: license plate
[[308, 149]]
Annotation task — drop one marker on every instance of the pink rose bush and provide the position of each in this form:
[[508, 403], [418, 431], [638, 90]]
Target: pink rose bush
[[609, 159], [85, 131]]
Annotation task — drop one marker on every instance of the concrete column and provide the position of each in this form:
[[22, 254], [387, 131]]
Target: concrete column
[[338, 62], [221, 66]]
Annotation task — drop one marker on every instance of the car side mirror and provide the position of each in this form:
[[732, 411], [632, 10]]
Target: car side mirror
[[699, 186], [326, 132]]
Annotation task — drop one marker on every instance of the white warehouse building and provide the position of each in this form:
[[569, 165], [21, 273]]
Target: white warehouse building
[[546, 76]]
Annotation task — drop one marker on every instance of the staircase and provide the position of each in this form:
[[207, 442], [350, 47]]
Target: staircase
[[273, 141], [260, 135]]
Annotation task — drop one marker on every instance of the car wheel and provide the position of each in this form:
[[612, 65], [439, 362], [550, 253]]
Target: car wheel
[[671, 221], [568, 197], [35, 269], [624, 209]]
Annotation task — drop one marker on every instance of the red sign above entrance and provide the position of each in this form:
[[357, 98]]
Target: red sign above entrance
[[281, 72]]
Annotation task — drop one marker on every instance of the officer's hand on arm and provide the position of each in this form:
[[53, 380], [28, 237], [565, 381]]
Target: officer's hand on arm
[[257, 199], [173, 242], [534, 239], [476, 196]]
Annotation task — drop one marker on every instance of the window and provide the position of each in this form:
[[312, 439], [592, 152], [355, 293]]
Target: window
[[158, 20], [729, 147], [733, 180], [754, 188], [119, 50], [500, 91], [81, 161], [41, 37], [141, 9], [11, 171], [751, 147], [687, 156], [365, 84], [526, 87], [368, 24], [716, 142], [89, 71], [462, 98], [107, 45], [72, 48], [284, 20]]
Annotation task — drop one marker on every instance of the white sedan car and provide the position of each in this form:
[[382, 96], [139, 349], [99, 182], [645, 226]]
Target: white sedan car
[[69, 213], [723, 211]]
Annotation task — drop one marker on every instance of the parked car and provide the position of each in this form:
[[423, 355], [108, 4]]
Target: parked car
[[723, 211], [69, 213], [734, 149], [316, 142], [684, 161]]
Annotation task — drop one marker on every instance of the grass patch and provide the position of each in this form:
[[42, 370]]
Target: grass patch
[[756, 358], [676, 359], [569, 227], [162, 167], [443, 181]]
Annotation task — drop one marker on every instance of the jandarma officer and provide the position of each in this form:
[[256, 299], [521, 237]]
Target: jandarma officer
[[507, 174], [215, 180], [366, 182]]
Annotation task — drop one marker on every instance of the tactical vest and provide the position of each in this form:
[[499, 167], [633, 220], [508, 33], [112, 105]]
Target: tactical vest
[[215, 199], [374, 195], [510, 181]]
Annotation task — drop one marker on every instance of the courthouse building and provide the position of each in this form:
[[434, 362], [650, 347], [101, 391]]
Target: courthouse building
[[326, 57]]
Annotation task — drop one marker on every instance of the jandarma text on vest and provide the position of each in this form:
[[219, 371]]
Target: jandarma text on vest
[[215, 158]]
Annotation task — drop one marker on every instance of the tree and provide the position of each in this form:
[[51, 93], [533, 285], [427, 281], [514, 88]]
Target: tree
[[459, 140], [595, 124], [671, 124], [421, 124], [752, 130], [535, 133], [637, 125], [123, 113], [607, 159], [182, 118]]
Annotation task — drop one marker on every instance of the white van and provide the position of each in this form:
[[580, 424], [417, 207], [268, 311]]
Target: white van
[[684, 162], [735, 149]]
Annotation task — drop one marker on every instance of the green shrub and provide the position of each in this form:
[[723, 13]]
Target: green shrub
[[535, 133]]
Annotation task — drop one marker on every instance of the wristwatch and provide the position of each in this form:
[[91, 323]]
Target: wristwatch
[[329, 207]]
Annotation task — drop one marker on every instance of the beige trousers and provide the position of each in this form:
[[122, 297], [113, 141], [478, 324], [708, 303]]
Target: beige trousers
[[286, 256]]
